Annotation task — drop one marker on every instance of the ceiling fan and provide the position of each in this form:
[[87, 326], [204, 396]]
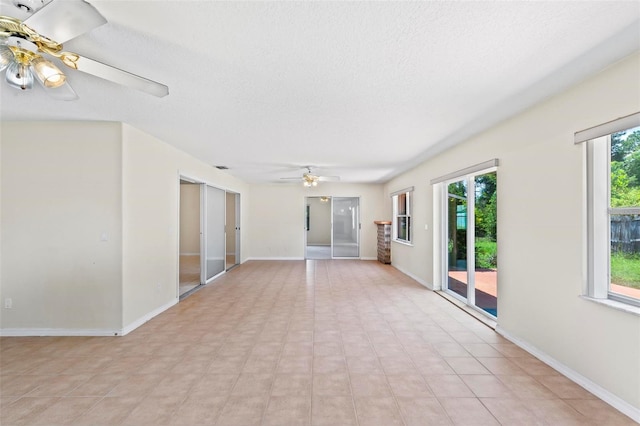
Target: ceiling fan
[[37, 31], [309, 179]]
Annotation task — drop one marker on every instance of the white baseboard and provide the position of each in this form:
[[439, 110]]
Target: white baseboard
[[275, 258], [48, 332], [137, 323], [409, 274], [368, 258], [608, 397]]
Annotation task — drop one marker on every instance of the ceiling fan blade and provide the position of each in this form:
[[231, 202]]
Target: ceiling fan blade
[[114, 74], [62, 93], [62, 20], [291, 178], [329, 178]]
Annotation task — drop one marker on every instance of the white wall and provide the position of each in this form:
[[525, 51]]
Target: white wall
[[277, 215], [151, 170], [319, 222], [541, 230], [61, 227], [189, 218]]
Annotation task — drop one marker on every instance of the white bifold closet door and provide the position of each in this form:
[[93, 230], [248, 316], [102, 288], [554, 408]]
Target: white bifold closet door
[[214, 224]]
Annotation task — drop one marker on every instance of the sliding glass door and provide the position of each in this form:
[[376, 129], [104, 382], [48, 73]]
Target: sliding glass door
[[345, 235], [471, 271], [215, 247]]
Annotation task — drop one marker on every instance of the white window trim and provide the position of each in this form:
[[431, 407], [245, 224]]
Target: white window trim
[[599, 225], [408, 215]]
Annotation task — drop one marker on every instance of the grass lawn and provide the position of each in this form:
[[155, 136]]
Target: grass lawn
[[625, 270]]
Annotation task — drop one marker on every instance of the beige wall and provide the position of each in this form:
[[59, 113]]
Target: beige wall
[[61, 227], [151, 170], [189, 218], [541, 230], [277, 214], [90, 217], [320, 222]]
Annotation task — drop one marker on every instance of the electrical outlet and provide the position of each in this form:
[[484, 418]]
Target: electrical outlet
[[8, 303]]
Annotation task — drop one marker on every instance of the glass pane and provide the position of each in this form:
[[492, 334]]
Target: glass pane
[[346, 222], [625, 255], [625, 228], [486, 246], [402, 204], [215, 242], [457, 238], [403, 222]]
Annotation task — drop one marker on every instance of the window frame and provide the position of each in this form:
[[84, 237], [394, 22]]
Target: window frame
[[408, 210], [599, 213]]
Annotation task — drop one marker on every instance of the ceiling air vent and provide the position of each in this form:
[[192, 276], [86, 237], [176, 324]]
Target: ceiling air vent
[[222, 167]]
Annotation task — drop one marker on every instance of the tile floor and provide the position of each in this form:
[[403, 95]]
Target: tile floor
[[294, 343]]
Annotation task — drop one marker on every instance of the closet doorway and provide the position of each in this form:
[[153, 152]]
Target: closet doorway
[[190, 236], [202, 251]]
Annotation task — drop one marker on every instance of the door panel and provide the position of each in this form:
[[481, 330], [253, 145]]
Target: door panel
[[345, 227], [215, 239]]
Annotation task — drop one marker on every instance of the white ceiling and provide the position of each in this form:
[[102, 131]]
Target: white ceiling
[[363, 90]]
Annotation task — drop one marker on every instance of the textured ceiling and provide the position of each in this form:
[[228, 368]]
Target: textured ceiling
[[363, 90]]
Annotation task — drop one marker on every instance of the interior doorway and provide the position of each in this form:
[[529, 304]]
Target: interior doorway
[[318, 228], [232, 230], [332, 227], [190, 234]]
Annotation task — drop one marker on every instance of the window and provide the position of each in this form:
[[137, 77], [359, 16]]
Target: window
[[614, 212], [402, 215]]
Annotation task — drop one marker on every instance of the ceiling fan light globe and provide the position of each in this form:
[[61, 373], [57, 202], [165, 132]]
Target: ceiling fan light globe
[[19, 76], [6, 57], [49, 74]]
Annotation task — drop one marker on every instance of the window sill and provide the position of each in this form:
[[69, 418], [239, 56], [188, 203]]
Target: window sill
[[404, 243], [619, 306]]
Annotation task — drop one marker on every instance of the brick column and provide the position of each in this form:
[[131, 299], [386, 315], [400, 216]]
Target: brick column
[[384, 241]]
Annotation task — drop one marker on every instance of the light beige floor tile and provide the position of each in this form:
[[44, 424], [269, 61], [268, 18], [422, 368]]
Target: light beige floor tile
[[512, 412], [108, 411], [487, 386], [600, 412], [329, 364], [564, 388], [462, 365], [501, 366], [526, 387], [214, 385], [25, 410], [422, 411], [198, 411], [448, 386], [331, 384], [409, 386], [378, 411], [253, 385], [369, 385], [291, 384], [292, 342], [333, 410], [242, 410], [468, 411], [288, 410]]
